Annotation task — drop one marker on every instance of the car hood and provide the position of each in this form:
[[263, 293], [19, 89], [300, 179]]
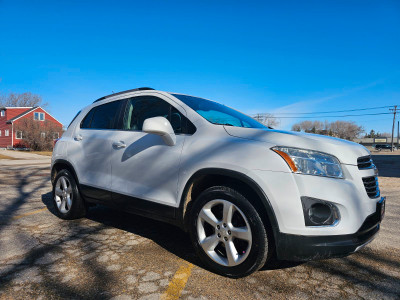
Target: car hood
[[347, 152]]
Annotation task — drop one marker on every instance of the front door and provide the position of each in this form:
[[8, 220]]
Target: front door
[[143, 166]]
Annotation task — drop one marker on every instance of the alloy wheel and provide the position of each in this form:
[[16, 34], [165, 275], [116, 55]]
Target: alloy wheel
[[63, 194], [224, 232]]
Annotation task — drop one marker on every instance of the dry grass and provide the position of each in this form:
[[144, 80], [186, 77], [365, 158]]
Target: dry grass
[[47, 153], [6, 157]]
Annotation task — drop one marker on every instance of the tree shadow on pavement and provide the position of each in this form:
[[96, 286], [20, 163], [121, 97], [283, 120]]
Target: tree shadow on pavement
[[364, 271], [169, 237], [100, 278], [23, 268], [11, 208]]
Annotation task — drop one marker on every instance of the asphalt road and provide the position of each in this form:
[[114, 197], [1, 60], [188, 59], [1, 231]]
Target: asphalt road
[[111, 254]]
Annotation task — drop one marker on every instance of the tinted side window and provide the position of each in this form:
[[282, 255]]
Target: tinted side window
[[141, 108], [88, 119], [180, 123], [190, 128], [176, 120], [102, 116]]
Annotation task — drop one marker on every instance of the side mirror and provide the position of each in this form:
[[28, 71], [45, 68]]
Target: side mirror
[[162, 127]]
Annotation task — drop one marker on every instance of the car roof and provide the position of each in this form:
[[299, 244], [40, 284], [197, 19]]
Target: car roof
[[123, 92]]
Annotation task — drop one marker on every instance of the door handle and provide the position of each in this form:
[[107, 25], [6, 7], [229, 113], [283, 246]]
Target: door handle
[[119, 145], [78, 137]]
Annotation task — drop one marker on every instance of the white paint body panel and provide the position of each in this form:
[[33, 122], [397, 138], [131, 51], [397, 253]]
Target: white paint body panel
[[149, 169]]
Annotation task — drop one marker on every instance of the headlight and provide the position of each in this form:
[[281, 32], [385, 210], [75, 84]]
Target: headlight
[[310, 162]]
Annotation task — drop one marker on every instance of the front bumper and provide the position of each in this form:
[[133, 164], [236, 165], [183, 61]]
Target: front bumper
[[303, 248], [285, 189]]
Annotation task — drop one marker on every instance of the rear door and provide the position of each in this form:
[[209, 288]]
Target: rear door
[[144, 169], [91, 148]]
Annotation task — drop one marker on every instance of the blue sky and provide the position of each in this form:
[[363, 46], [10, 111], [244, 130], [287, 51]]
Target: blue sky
[[256, 56]]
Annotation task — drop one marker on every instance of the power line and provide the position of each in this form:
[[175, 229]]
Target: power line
[[333, 111], [342, 116], [380, 119]]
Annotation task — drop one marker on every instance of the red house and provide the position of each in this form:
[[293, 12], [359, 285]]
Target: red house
[[11, 116]]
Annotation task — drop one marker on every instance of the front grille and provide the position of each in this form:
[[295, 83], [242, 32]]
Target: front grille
[[365, 162], [371, 186]]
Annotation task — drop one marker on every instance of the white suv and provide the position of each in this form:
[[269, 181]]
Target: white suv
[[243, 191]]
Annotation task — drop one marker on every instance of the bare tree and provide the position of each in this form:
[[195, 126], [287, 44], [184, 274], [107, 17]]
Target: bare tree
[[346, 130], [24, 100], [384, 134], [308, 126], [267, 119], [296, 127], [342, 129], [36, 135]]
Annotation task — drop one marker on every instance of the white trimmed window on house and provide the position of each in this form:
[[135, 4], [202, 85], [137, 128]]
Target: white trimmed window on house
[[6, 132], [43, 135], [39, 116], [19, 135], [56, 135], [3, 113], [0, 132]]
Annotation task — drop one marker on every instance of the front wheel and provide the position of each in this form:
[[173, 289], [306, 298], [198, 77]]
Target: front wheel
[[67, 200], [228, 233]]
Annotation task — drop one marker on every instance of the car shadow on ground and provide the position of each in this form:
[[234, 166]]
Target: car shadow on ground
[[169, 237]]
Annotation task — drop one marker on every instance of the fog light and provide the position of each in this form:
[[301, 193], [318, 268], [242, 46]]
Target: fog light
[[319, 212]]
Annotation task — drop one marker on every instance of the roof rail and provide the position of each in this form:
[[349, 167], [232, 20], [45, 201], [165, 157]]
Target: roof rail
[[123, 92]]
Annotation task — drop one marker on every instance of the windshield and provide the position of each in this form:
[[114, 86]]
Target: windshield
[[217, 113]]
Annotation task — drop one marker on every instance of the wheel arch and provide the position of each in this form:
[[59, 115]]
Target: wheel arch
[[208, 177], [61, 164]]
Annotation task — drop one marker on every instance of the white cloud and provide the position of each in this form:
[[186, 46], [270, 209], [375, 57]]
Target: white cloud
[[311, 105]]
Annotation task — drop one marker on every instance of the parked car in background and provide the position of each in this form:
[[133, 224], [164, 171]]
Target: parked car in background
[[242, 191], [381, 147]]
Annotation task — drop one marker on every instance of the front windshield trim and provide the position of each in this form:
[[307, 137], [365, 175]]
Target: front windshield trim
[[205, 107]]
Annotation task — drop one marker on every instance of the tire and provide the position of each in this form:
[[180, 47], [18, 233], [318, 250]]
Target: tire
[[250, 242], [67, 201]]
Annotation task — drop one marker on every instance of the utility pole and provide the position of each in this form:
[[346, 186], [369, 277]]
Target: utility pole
[[394, 122], [398, 131]]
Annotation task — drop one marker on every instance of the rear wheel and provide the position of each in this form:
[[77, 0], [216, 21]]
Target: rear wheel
[[227, 232], [67, 200]]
